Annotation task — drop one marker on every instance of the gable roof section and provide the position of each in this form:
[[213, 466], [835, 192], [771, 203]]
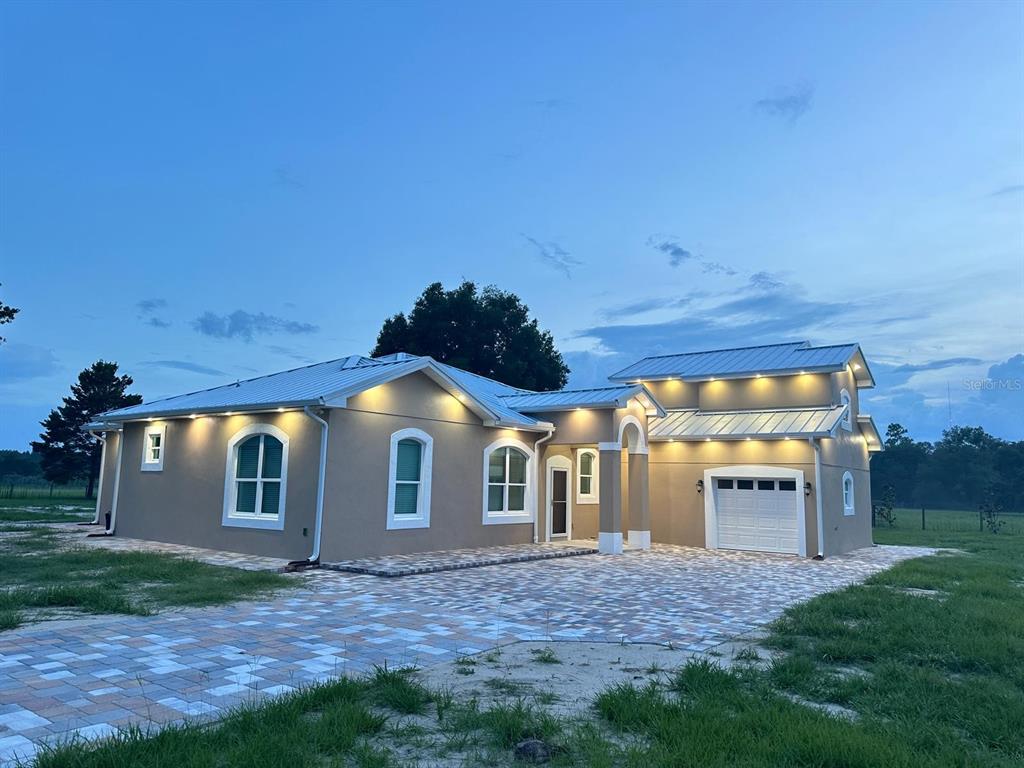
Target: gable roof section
[[738, 425], [743, 362], [599, 397], [331, 383]]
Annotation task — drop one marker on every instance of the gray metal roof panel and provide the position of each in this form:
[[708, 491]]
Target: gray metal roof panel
[[571, 398], [744, 361], [725, 425]]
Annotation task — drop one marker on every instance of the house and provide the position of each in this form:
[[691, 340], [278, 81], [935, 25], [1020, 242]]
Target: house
[[761, 448]]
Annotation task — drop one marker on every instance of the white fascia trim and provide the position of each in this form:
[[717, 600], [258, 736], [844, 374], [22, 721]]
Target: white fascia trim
[[422, 517], [609, 543], [609, 447], [753, 471], [154, 429], [626, 421], [529, 513], [232, 519], [594, 497]]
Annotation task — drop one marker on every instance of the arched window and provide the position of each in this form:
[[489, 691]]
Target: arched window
[[257, 470], [849, 501], [587, 476], [409, 473], [844, 399], [508, 483]]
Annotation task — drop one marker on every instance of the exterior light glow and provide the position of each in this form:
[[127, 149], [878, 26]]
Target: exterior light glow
[[856, 367], [757, 375], [707, 439], [712, 378], [229, 413], [786, 437], [748, 439], [803, 373], [280, 410], [194, 416]]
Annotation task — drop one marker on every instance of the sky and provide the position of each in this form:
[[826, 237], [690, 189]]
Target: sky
[[204, 192]]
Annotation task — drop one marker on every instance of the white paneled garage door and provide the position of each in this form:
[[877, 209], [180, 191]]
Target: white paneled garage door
[[756, 514]]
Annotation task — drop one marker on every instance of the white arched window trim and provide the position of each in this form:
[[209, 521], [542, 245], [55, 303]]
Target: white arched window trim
[[530, 504], [422, 517], [594, 497], [849, 497], [844, 399], [234, 519]]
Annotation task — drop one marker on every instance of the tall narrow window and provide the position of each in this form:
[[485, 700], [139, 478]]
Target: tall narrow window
[[153, 444], [409, 472], [844, 399], [587, 476], [257, 469], [508, 493], [848, 497]]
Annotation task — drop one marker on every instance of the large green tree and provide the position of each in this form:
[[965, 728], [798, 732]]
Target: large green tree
[[487, 332], [67, 452]]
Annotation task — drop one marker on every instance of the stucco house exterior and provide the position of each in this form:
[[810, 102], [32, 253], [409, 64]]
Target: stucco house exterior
[[760, 448]]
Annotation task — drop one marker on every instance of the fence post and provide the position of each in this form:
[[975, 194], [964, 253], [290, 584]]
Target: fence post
[[922, 518]]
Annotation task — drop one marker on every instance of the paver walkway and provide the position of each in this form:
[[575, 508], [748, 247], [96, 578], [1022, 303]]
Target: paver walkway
[[87, 677], [458, 559]]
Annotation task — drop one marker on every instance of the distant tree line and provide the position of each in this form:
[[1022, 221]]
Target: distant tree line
[[966, 469]]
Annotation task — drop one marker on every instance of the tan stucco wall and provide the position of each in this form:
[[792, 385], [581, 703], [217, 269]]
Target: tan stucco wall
[[766, 392], [582, 427], [674, 393], [105, 487], [356, 490], [184, 503], [584, 516]]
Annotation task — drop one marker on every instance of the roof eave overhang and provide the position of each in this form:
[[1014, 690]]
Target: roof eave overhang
[[861, 372], [221, 410], [872, 436], [744, 436], [729, 376]]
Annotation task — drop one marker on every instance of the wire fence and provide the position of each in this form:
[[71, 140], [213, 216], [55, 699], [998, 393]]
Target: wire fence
[[22, 488], [954, 520]]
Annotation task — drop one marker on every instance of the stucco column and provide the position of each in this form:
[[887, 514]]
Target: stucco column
[[609, 537], [639, 504]]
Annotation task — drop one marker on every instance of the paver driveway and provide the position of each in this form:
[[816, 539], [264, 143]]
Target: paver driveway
[[89, 676]]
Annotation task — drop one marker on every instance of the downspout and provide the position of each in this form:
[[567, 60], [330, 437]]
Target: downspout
[[536, 457], [314, 557], [103, 464], [817, 499]]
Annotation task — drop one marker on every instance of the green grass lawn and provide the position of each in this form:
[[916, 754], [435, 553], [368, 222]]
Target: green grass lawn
[[920, 666], [41, 578], [45, 509]]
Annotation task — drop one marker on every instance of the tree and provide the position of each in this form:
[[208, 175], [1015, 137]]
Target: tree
[[487, 332], [67, 452], [899, 465], [7, 314]]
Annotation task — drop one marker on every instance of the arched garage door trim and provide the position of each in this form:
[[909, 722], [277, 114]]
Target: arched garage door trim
[[753, 471]]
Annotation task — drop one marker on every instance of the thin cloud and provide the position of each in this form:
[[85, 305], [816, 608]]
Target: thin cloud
[[765, 281], [157, 322], [554, 255], [1012, 189], [717, 268], [183, 365], [671, 248], [789, 104], [642, 306], [246, 325], [148, 306]]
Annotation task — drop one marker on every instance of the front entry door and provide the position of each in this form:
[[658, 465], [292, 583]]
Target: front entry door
[[559, 502]]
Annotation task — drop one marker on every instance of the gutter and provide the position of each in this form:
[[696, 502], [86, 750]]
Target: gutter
[[817, 499], [117, 487], [313, 561], [103, 464], [536, 458]]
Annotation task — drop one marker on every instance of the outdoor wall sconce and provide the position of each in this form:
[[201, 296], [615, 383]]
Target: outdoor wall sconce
[[807, 488], [700, 486]]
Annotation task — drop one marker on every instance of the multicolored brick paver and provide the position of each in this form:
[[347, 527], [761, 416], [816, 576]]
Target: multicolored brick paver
[[87, 677]]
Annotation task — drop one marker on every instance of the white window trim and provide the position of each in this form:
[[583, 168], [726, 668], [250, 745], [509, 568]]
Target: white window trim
[[422, 517], [844, 399], [147, 464], [232, 519], [529, 513], [851, 510], [594, 497]]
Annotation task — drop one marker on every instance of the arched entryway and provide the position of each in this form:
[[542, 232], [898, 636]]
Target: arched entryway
[[632, 438]]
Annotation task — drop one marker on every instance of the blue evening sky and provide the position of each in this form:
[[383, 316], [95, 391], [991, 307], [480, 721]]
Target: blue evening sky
[[209, 191]]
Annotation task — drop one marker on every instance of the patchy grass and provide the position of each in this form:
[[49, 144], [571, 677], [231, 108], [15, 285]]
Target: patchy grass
[[39, 579], [47, 510], [545, 656]]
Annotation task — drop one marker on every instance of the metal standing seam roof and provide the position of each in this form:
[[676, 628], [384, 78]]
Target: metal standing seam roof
[[744, 361], [598, 397], [725, 425], [313, 384]]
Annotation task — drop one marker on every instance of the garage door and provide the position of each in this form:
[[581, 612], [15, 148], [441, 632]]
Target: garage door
[[755, 514]]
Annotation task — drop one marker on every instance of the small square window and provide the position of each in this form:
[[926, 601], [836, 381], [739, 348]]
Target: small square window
[[766, 485], [745, 485], [153, 445], [787, 485], [724, 484]]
